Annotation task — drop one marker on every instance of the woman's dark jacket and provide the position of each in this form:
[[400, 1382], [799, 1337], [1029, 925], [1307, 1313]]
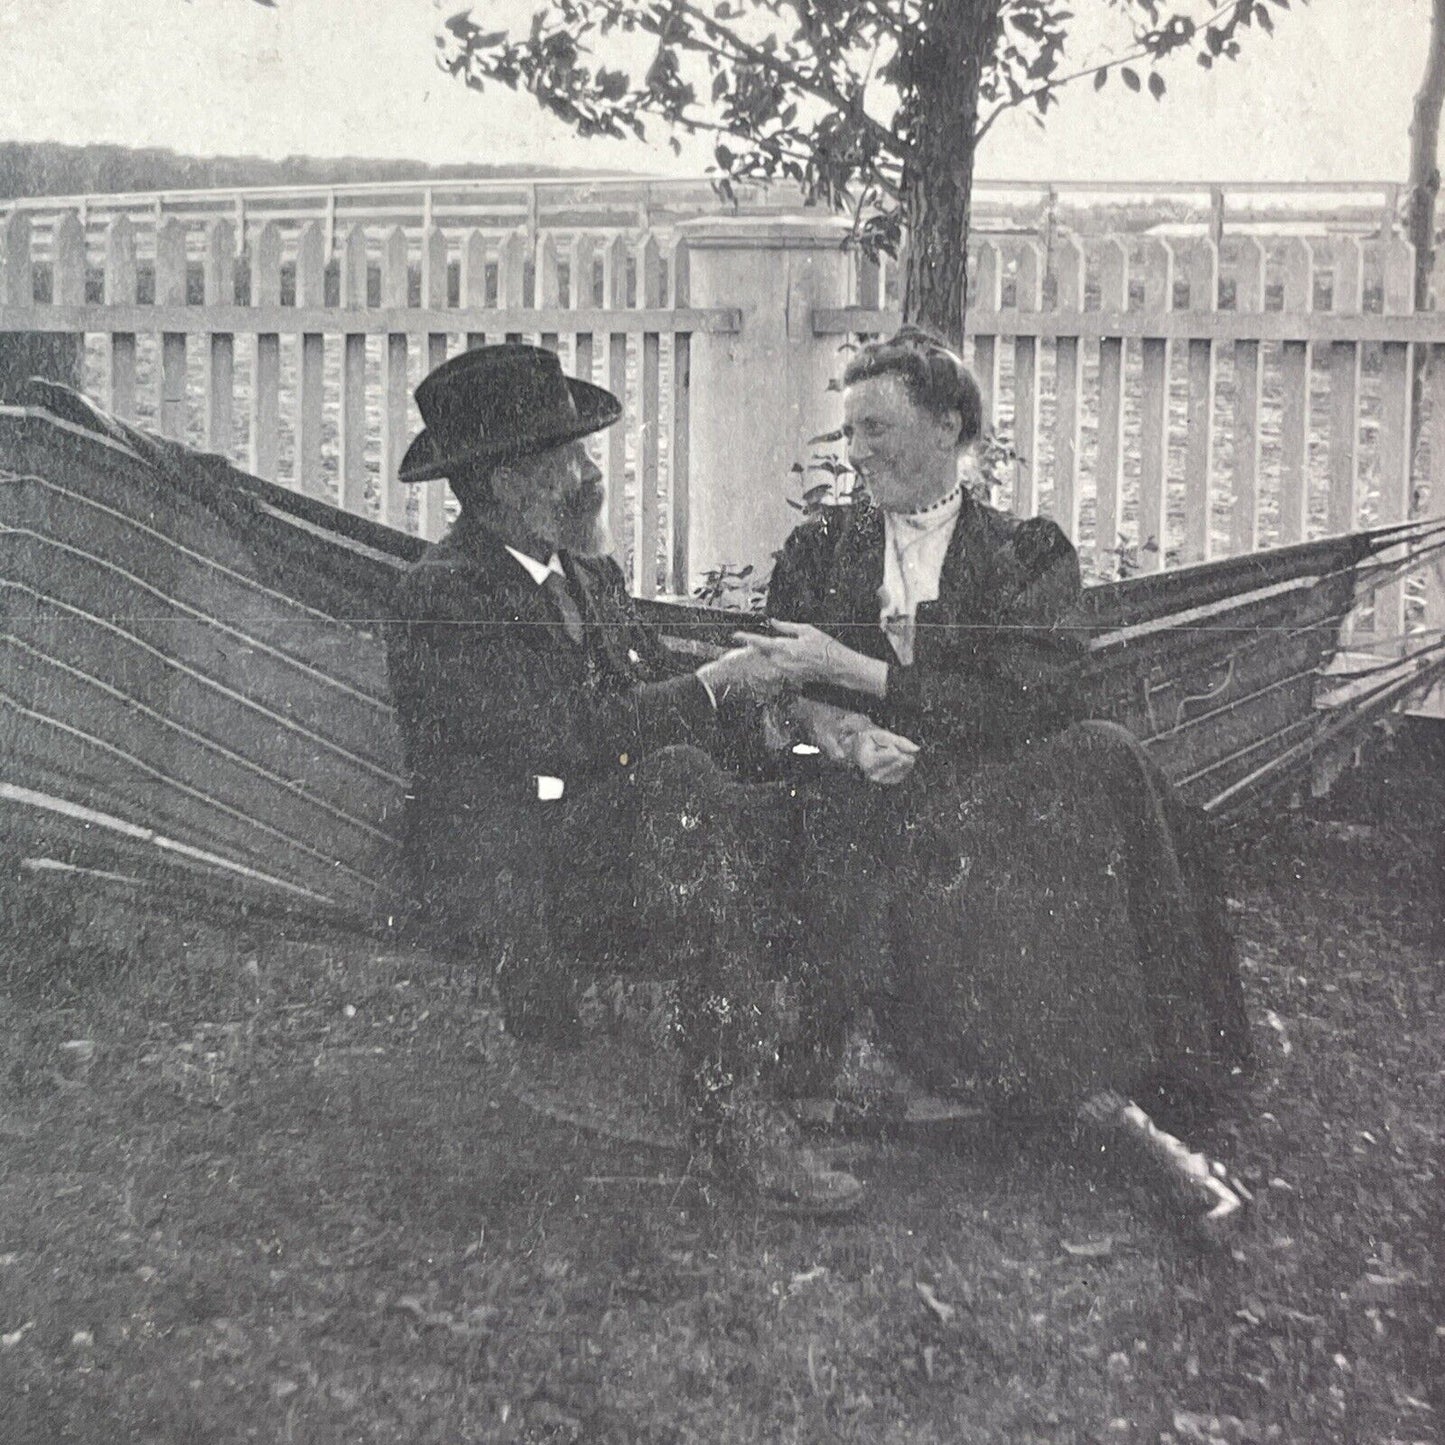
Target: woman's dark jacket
[[995, 661]]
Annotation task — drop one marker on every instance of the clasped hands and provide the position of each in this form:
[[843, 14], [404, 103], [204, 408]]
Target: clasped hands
[[797, 655]]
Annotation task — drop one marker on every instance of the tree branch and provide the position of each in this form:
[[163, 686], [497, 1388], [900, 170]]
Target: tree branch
[[812, 85], [1141, 52]]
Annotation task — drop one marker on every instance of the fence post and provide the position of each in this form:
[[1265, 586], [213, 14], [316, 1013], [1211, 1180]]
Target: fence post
[[1343, 505], [434, 261], [1397, 371], [1201, 269], [120, 290], [758, 395], [266, 382], [311, 406], [220, 290], [351, 479], [649, 294], [68, 261], [170, 295], [1155, 357], [1249, 290], [1296, 365], [1068, 387], [1113, 271], [1028, 297]]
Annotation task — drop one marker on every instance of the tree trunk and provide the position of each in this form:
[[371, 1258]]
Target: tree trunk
[[1424, 158], [1424, 191], [955, 41]]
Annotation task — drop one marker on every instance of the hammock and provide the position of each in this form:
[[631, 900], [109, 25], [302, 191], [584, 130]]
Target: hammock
[[194, 705]]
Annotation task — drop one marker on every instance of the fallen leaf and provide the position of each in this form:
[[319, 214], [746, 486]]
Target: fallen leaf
[[1090, 1249], [944, 1311]]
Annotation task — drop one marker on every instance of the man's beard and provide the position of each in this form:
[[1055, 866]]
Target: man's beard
[[584, 532]]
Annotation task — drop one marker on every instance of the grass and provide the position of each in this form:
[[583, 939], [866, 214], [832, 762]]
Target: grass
[[252, 1190]]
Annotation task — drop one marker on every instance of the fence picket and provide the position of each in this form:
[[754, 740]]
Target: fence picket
[[1068, 388], [1248, 391], [679, 453], [584, 255], [220, 290], [512, 275], [395, 389], [1296, 368], [614, 282], [432, 496], [1201, 265], [1154, 410], [548, 293], [472, 288], [988, 297], [649, 293], [310, 402], [1397, 371], [1349, 296], [352, 472], [68, 286], [1029, 298], [120, 290], [266, 384], [171, 292], [68, 261], [1113, 267]]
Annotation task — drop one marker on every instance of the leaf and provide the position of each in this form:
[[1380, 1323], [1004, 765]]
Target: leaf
[[1101, 79], [1130, 77], [1266, 22], [945, 1312], [1090, 1249], [1156, 85]]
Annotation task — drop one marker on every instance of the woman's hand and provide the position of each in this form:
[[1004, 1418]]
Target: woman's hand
[[882, 757], [807, 656]]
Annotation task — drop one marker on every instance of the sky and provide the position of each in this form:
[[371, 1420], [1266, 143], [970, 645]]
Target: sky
[[1327, 99]]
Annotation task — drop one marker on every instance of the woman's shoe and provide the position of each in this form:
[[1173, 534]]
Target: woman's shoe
[[1212, 1203]]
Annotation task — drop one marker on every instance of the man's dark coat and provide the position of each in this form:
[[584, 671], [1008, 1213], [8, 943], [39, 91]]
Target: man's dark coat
[[492, 694]]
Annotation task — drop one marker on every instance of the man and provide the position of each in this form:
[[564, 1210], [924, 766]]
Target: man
[[565, 800]]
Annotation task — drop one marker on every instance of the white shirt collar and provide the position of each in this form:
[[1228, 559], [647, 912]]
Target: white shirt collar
[[538, 571]]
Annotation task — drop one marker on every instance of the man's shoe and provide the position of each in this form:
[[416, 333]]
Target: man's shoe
[[762, 1159]]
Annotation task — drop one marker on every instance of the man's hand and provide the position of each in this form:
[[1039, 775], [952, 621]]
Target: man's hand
[[744, 672], [881, 756], [807, 656]]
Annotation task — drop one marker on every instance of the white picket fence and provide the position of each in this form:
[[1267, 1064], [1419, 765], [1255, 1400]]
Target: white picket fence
[[1170, 400]]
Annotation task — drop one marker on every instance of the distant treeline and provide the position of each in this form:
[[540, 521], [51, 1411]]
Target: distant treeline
[[47, 168]]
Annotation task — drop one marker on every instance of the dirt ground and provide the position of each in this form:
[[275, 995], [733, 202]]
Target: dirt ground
[[252, 1191]]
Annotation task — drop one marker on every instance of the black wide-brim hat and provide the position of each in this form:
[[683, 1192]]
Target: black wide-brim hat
[[496, 403]]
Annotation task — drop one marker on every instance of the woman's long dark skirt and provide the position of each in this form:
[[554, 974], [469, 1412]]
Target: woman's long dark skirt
[[1028, 931]]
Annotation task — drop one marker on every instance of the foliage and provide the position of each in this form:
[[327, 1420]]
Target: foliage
[[731, 588], [844, 97]]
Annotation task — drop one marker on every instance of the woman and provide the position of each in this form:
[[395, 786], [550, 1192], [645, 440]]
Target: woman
[[1017, 894]]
